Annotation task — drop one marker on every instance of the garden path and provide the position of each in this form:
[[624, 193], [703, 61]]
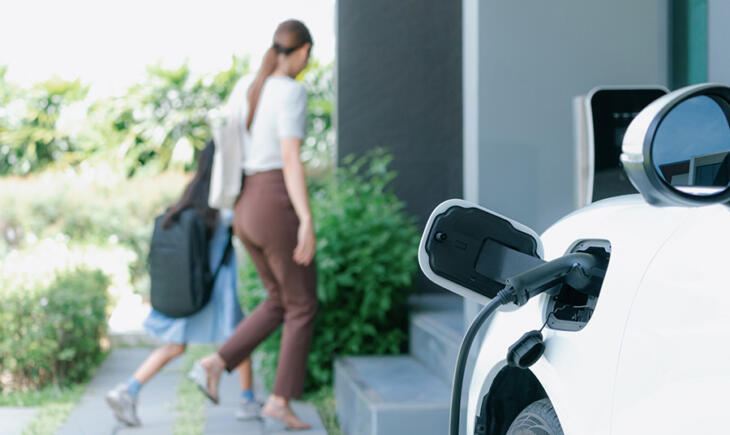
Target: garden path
[[157, 402], [15, 419], [92, 416]]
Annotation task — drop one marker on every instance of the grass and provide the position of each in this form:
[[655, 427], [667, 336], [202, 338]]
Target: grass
[[324, 400], [190, 405], [54, 405], [49, 394]]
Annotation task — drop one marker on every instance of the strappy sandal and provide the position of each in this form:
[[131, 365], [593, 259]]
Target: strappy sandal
[[283, 418], [199, 375]]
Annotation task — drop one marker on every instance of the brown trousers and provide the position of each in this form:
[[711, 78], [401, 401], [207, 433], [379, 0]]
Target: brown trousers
[[267, 225]]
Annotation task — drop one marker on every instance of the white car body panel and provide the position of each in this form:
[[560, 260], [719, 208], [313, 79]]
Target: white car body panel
[[664, 308], [673, 368]]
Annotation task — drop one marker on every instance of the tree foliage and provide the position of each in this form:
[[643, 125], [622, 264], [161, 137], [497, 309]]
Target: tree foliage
[[158, 124], [319, 146], [162, 122], [29, 139]]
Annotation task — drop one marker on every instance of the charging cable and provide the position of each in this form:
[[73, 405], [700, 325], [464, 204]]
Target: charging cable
[[575, 269]]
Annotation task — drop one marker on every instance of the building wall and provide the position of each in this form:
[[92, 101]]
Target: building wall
[[399, 86], [689, 42], [718, 41], [528, 59]]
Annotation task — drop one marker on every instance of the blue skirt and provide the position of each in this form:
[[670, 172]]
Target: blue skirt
[[217, 320]]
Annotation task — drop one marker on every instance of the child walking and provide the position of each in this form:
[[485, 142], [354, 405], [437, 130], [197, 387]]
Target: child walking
[[213, 324]]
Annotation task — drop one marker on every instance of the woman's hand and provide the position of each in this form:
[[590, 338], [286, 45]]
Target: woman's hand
[[304, 252], [296, 187]]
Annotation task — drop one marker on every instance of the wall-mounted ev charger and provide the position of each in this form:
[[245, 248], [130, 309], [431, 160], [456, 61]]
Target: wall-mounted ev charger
[[600, 120]]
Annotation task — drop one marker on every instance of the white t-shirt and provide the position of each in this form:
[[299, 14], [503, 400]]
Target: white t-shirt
[[281, 113]]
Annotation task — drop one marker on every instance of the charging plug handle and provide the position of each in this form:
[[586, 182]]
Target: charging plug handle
[[575, 269]]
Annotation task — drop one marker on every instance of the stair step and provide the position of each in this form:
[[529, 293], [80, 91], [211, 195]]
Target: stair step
[[435, 337], [381, 395], [444, 301]]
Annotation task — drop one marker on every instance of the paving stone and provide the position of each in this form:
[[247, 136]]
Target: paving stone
[[221, 419], [156, 400], [15, 419]]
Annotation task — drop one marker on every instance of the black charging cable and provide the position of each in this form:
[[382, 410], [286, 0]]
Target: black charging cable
[[503, 297], [576, 269]]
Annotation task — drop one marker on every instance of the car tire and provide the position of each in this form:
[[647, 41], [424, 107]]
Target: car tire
[[538, 418]]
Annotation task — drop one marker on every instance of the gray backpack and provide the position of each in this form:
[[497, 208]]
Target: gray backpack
[[181, 281]]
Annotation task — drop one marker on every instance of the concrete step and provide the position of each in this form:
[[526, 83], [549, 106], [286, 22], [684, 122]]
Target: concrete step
[[383, 395], [445, 301], [435, 336]]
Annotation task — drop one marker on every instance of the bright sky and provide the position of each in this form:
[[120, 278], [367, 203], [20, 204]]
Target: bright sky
[[108, 44]]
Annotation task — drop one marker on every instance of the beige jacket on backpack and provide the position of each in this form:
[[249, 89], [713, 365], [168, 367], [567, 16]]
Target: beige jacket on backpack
[[229, 131]]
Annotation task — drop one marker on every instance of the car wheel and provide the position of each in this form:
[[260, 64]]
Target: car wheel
[[538, 418]]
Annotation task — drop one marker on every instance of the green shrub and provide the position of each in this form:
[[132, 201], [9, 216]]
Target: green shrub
[[366, 261], [51, 334]]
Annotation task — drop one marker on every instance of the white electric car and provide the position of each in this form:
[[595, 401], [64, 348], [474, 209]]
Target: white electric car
[[639, 343]]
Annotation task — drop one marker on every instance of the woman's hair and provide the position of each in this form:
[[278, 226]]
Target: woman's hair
[[196, 193], [289, 36]]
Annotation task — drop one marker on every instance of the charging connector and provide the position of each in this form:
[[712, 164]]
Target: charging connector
[[577, 269], [574, 269]]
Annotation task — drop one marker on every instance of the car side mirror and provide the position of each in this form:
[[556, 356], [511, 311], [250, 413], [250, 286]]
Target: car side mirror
[[677, 150], [471, 251]]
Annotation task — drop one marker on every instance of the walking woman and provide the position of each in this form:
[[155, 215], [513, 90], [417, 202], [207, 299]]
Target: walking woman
[[273, 220], [213, 324]]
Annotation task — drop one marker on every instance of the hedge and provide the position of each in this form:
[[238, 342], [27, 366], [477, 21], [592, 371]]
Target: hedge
[[51, 334]]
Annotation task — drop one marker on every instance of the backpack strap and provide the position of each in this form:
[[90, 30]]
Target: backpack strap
[[226, 255]]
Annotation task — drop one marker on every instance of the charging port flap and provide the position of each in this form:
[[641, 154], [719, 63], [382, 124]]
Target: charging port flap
[[472, 251]]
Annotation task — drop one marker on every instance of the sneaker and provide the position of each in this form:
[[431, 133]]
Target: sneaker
[[123, 405], [249, 410]]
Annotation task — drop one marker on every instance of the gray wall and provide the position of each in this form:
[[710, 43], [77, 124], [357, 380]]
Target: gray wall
[[524, 61], [399, 86], [718, 41]]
